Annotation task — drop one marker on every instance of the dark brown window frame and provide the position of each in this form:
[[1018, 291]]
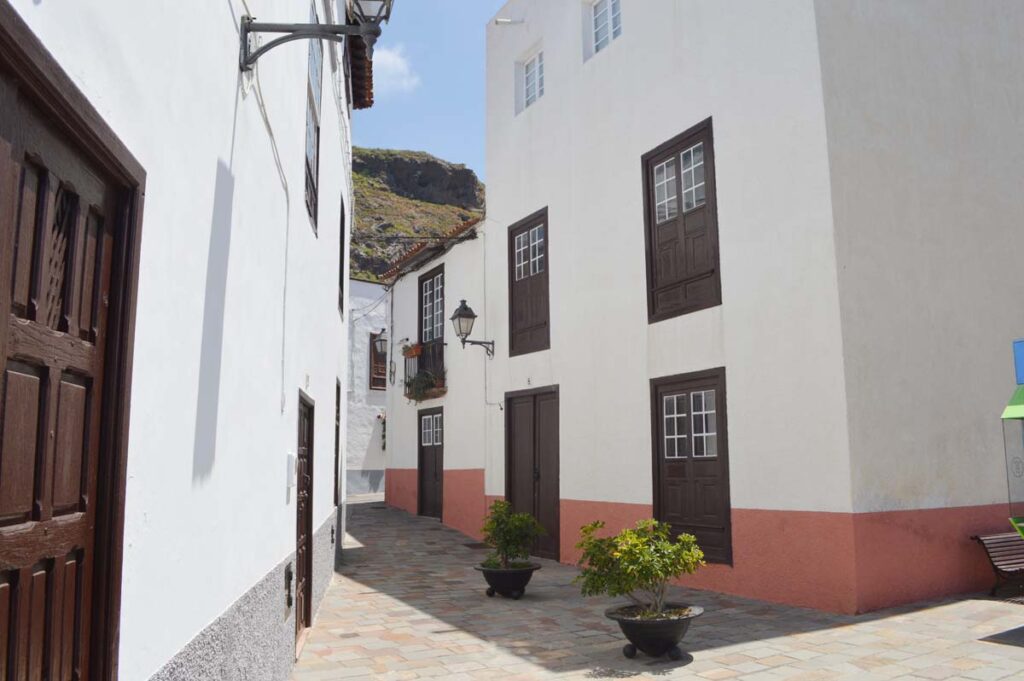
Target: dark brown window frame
[[337, 442], [702, 131], [527, 223], [28, 60], [715, 379], [383, 363], [314, 109], [419, 299], [342, 261]]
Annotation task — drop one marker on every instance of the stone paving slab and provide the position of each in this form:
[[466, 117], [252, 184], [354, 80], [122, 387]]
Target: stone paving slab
[[409, 605]]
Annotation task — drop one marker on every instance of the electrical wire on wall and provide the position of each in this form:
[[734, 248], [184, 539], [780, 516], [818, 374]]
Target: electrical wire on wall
[[250, 82]]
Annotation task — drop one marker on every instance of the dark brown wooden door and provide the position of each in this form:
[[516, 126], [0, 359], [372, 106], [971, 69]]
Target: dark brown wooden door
[[304, 520], [691, 459], [57, 215], [531, 461], [431, 462]]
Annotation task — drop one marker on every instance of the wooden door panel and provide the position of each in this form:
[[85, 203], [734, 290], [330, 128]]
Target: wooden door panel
[[547, 464], [68, 489], [19, 444], [30, 213], [304, 518], [520, 454]]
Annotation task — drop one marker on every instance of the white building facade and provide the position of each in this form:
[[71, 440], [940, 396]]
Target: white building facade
[[751, 269], [367, 389], [204, 478]]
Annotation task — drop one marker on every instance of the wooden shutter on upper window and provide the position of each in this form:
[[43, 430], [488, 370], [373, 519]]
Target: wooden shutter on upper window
[[682, 236], [529, 317]]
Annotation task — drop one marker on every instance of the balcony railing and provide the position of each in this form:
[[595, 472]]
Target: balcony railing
[[424, 371]]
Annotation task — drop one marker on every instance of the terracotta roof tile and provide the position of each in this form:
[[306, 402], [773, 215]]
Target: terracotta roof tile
[[396, 267]]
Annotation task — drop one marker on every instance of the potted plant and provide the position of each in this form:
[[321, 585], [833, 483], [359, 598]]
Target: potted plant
[[425, 385], [413, 350], [638, 563], [511, 535]]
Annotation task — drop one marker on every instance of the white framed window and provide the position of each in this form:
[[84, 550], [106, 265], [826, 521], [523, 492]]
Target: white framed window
[[313, 101], [674, 415], [426, 430], [433, 308], [529, 252], [607, 23], [522, 248], [536, 250], [693, 176], [438, 429], [704, 425], [533, 79], [666, 204]]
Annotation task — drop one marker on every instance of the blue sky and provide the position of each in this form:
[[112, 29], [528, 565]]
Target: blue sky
[[429, 81]]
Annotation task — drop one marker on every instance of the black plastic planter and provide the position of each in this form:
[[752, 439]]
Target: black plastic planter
[[510, 583], [655, 637]]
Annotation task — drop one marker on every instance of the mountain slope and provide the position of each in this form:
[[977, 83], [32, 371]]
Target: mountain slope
[[405, 194]]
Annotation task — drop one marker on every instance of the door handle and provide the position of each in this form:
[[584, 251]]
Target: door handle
[[536, 474]]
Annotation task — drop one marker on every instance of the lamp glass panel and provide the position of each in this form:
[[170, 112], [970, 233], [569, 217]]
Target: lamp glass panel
[[463, 326], [370, 9]]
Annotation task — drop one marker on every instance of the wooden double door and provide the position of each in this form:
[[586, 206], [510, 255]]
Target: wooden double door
[[531, 461], [304, 519], [431, 462]]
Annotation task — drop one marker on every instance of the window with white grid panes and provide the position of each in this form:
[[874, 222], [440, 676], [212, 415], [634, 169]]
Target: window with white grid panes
[[693, 176], [674, 414], [529, 252], [533, 79], [426, 430], [432, 298], [438, 428], [607, 23], [666, 204], [704, 427]]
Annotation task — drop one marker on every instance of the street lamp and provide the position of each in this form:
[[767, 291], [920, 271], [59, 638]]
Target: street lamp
[[380, 343], [463, 320], [368, 14]]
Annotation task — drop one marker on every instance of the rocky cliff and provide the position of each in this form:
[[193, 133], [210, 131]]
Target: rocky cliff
[[401, 194]]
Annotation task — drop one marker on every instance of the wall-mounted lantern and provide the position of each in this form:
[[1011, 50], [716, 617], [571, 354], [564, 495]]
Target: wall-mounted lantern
[[380, 343], [369, 15], [463, 320]]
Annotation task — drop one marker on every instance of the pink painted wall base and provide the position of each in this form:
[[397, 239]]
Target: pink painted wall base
[[839, 562], [464, 500]]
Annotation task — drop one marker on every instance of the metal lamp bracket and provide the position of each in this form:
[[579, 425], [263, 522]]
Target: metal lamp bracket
[[331, 32], [488, 346]]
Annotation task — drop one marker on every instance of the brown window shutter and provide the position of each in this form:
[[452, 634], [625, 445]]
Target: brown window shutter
[[529, 291], [682, 252]]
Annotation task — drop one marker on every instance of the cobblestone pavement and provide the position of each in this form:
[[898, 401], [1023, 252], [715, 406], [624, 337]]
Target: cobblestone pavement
[[408, 605]]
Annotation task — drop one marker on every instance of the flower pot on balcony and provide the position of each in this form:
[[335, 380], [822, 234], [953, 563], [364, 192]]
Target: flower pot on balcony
[[412, 350]]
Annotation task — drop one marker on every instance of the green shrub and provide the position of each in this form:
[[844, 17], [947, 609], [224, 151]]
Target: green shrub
[[637, 563], [510, 535]]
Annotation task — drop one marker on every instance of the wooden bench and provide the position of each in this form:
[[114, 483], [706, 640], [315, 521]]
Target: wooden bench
[[1006, 552]]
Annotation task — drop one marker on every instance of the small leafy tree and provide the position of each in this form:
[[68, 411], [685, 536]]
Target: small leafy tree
[[637, 563], [509, 534]]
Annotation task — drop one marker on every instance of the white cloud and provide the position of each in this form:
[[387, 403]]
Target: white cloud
[[391, 71]]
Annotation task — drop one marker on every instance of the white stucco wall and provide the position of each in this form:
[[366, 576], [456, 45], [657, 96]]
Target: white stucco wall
[[754, 68], [924, 104], [468, 368], [364, 453], [238, 307]]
